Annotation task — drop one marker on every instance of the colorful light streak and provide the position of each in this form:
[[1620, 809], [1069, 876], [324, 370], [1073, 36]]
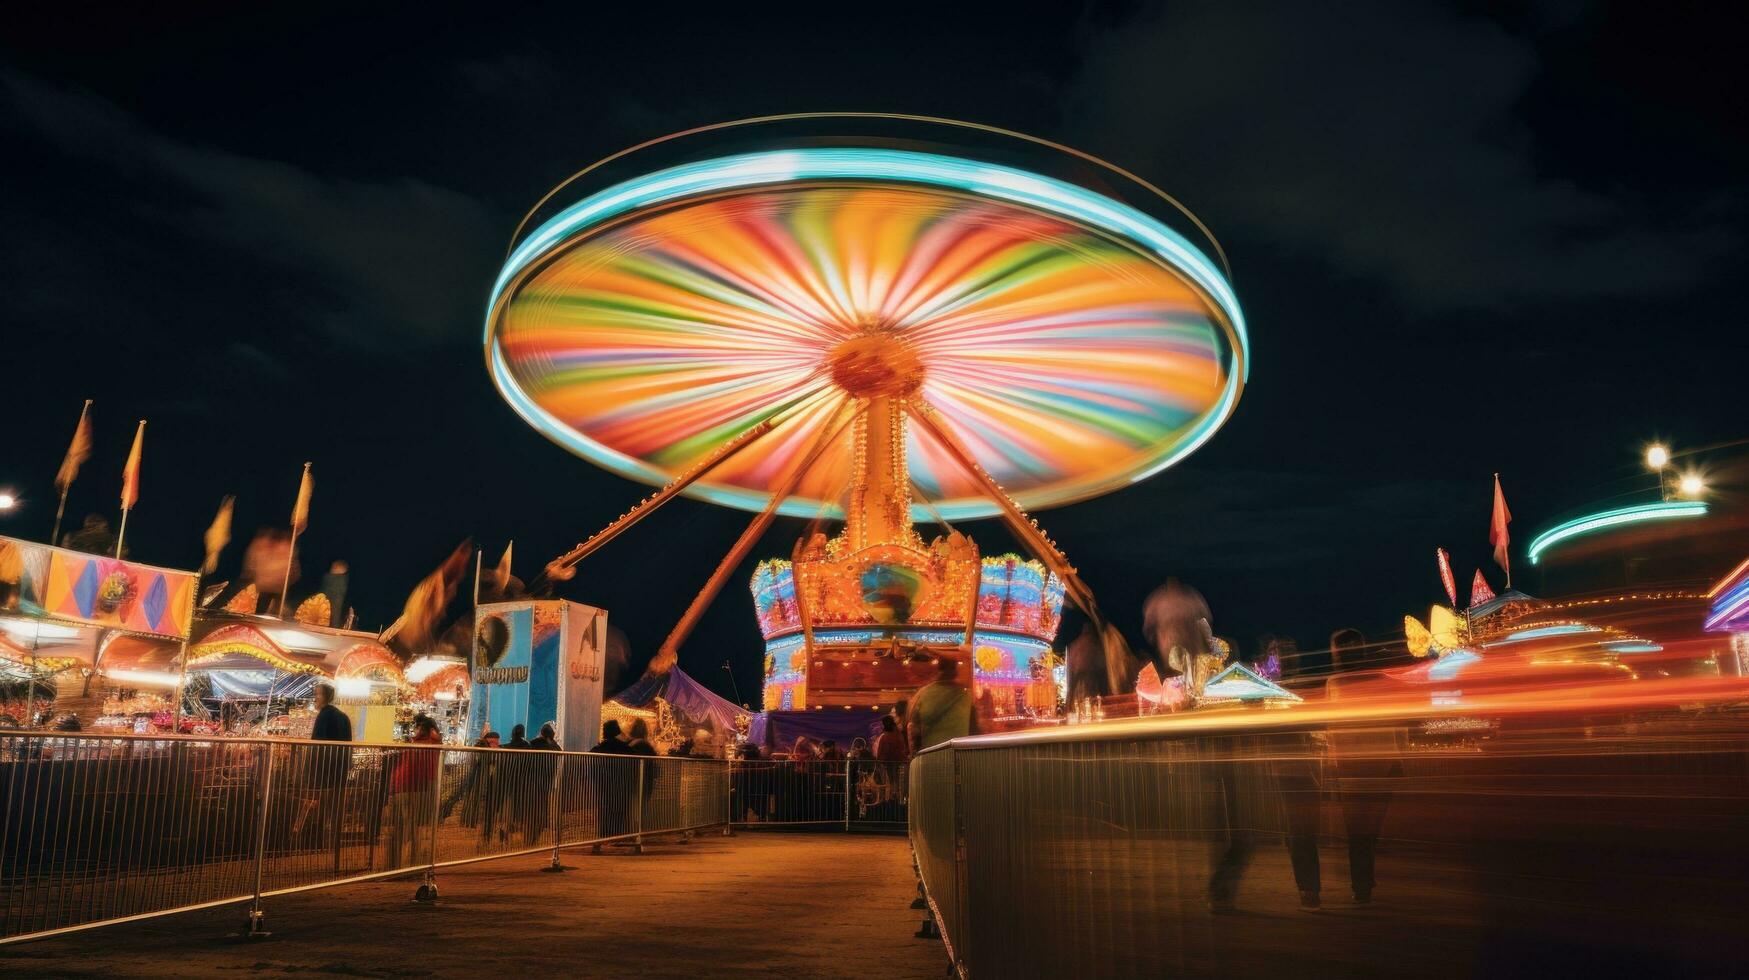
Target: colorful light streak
[[1612, 518], [1074, 343]]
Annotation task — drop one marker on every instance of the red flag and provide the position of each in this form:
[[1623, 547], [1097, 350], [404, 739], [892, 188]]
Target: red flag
[[130, 474], [1445, 575], [77, 452], [1497, 535], [1479, 591]]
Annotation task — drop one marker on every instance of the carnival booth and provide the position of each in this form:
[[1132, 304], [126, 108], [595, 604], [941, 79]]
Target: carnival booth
[[1728, 614], [256, 675], [538, 661], [64, 614], [438, 687]]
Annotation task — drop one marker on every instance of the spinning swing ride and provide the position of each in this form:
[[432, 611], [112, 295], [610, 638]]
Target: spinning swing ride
[[895, 328]]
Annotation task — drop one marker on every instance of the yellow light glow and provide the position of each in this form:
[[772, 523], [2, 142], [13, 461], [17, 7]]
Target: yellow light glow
[[1691, 485], [1657, 456]]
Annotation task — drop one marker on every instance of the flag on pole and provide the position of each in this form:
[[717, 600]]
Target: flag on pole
[[1497, 535], [217, 536], [501, 576], [1445, 575], [78, 452], [130, 474], [1479, 591], [301, 509]]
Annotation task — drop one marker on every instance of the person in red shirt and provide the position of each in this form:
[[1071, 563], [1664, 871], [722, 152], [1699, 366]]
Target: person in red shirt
[[889, 745], [410, 800]]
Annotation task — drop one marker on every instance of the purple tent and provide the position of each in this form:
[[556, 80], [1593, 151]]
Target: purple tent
[[777, 731], [685, 695]]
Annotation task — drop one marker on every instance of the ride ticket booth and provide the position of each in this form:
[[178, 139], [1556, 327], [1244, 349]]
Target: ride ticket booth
[[538, 661]]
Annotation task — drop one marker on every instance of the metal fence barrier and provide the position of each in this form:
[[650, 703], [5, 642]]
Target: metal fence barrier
[[1563, 848], [96, 829], [851, 794]]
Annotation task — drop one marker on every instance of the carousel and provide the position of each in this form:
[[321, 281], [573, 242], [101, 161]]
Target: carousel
[[872, 322]]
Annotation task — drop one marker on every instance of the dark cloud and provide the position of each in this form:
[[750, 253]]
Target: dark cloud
[[403, 254], [1383, 137]]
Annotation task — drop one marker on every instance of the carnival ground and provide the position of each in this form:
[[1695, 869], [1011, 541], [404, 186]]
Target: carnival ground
[[778, 904], [788, 904]]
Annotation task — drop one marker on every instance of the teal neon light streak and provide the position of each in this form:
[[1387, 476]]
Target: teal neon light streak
[[1613, 518]]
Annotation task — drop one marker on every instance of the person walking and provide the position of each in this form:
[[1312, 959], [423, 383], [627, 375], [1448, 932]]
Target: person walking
[[329, 766], [331, 723], [540, 771], [611, 782], [410, 792], [1366, 761], [941, 709], [889, 745]]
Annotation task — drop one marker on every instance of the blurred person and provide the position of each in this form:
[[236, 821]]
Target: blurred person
[[416, 769], [478, 792], [638, 742], [93, 537], [518, 738], [1364, 764], [1175, 621], [829, 751], [753, 776], [270, 564], [1253, 776], [889, 745], [858, 750], [611, 781], [941, 709], [537, 781], [329, 764], [612, 742], [332, 724]]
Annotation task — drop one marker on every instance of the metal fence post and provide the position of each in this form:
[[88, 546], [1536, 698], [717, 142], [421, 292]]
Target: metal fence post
[[427, 890], [729, 798], [256, 916], [847, 789], [638, 818], [553, 813]]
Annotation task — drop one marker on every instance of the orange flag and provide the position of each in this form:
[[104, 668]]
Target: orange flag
[[78, 452], [1497, 535], [130, 474], [301, 509], [501, 577]]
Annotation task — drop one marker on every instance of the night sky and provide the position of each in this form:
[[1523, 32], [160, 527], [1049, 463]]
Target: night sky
[[1466, 240]]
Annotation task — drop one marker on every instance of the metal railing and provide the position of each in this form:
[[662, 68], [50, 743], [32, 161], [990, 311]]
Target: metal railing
[[96, 829], [1555, 844], [853, 795]]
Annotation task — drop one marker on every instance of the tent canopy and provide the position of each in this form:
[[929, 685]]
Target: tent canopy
[[685, 695]]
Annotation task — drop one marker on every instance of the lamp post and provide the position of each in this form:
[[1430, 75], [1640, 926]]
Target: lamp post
[[1658, 460]]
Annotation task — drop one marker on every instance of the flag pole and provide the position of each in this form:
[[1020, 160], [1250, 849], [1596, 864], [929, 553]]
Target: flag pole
[[61, 508], [121, 534], [291, 554]]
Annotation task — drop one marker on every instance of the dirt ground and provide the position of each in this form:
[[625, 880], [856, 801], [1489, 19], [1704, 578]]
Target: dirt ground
[[805, 905]]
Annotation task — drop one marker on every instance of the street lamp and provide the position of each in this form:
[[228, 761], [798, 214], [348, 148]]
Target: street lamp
[[1657, 460], [7, 502], [1692, 486]]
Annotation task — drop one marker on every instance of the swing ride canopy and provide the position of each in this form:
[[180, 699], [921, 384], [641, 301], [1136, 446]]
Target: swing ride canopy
[[1074, 343]]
